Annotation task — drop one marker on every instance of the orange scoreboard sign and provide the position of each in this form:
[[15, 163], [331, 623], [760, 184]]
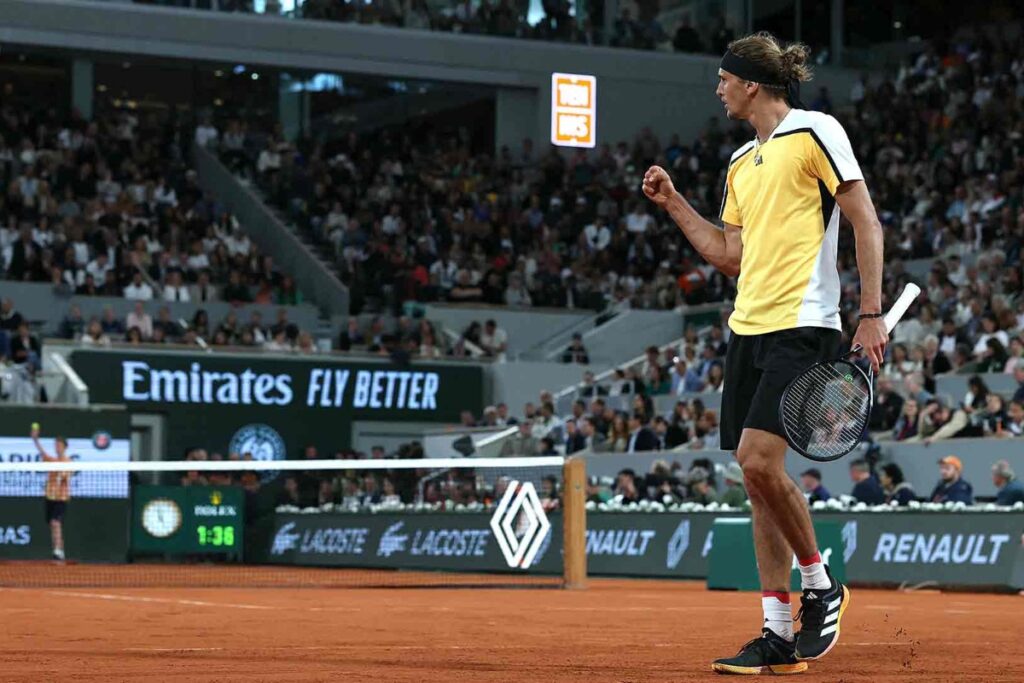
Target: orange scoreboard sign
[[573, 110]]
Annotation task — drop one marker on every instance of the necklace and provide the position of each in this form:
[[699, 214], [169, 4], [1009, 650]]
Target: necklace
[[757, 140]]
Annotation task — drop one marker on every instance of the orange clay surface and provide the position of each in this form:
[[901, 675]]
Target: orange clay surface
[[616, 630]]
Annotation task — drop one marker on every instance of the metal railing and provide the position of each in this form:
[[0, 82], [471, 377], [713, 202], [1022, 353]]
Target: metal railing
[[70, 387]]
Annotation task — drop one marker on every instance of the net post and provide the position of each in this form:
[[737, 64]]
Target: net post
[[574, 524]]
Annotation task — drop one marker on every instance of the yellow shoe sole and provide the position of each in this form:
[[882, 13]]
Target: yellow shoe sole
[[772, 669]]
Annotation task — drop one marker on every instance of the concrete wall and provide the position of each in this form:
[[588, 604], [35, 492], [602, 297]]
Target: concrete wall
[[519, 383], [366, 434], [670, 92], [41, 304], [627, 335], [526, 327], [515, 116], [918, 462], [956, 385]]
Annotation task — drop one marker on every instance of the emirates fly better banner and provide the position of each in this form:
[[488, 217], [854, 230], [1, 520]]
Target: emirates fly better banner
[[273, 406]]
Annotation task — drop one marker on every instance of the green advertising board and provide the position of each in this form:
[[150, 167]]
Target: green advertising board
[[273, 406], [95, 530], [188, 520], [732, 564]]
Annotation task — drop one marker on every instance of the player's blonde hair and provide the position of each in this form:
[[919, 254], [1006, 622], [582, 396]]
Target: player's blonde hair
[[786, 63]]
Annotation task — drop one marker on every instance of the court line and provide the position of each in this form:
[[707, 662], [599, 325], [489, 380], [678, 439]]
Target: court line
[[166, 601], [172, 649], [340, 646], [381, 646]]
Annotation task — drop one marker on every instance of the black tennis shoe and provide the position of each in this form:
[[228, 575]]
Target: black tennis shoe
[[820, 614], [769, 654]]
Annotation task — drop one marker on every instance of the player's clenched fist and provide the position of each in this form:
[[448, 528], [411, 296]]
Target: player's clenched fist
[[658, 186]]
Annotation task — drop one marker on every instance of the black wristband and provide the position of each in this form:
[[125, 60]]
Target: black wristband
[[869, 316]]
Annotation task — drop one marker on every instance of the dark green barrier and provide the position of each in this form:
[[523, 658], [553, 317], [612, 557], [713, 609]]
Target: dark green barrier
[[617, 544], [16, 421], [966, 549], [969, 549], [190, 520], [95, 530], [274, 406], [732, 564]]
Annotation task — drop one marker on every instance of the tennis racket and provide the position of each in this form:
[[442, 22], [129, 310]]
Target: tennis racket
[[825, 409]]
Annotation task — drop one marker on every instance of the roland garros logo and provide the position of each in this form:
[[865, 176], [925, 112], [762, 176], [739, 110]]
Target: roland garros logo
[[520, 507]]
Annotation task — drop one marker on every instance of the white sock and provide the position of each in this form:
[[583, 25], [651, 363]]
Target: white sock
[[59, 554], [812, 574], [778, 616]]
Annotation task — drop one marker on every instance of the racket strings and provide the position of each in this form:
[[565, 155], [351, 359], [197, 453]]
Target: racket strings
[[826, 410]]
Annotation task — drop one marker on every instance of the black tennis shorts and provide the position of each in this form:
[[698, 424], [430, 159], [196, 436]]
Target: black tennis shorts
[[55, 510], [757, 370]]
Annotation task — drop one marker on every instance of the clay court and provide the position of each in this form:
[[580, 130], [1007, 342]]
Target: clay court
[[616, 630]]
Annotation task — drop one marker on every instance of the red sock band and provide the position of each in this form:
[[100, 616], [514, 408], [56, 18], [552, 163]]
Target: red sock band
[[781, 597], [808, 561]]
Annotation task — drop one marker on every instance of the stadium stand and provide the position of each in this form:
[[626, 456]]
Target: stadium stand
[[639, 29], [110, 208]]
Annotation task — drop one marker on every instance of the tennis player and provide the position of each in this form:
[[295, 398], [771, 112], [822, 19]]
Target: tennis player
[[57, 492], [785, 191]]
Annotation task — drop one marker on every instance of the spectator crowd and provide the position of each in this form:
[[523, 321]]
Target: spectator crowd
[[110, 208], [638, 26], [886, 485]]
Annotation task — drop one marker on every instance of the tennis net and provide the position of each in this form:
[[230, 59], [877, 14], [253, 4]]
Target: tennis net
[[413, 522]]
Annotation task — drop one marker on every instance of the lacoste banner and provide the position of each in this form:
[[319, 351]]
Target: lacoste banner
[[272, 406], [617, 544], [461, 542]]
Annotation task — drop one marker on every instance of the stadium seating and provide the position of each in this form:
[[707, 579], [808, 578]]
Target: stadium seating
[[504, 18]]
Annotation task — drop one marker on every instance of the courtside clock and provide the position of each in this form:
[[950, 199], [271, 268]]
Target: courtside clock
[[161, 517], [188, 520]]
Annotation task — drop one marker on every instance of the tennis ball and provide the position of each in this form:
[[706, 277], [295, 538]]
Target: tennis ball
[[35, 426]]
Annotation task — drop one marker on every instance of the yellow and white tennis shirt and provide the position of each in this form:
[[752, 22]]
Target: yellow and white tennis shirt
[[782, 197]]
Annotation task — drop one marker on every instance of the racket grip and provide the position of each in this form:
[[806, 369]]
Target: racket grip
[[910, 292]]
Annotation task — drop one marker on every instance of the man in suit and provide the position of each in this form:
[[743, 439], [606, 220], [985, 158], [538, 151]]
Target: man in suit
[[592, 438], [25, 346], [10, 319], [641, 437], [25, 257], [574, 438], [202, 291]]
